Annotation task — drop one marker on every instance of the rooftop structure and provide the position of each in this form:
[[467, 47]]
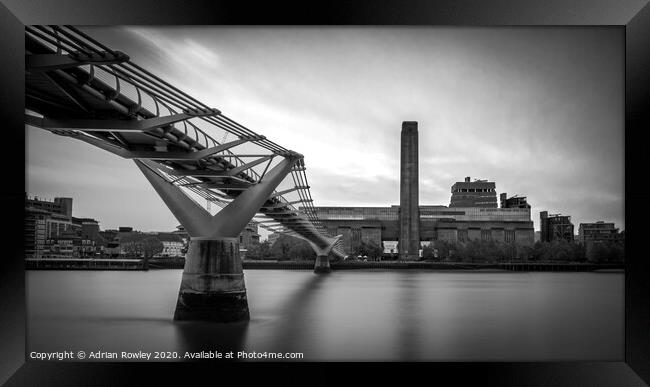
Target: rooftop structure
[[477, 193], [61, 206], [513, 201]]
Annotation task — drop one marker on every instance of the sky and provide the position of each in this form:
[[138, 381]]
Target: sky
[[539, 111]]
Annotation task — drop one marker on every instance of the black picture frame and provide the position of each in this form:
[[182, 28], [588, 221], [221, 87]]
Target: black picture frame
[[633, 15]]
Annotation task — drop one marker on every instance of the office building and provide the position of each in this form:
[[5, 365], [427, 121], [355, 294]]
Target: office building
[[599, 231]]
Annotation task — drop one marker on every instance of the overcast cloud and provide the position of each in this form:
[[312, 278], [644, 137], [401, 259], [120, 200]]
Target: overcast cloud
[[540, 111]]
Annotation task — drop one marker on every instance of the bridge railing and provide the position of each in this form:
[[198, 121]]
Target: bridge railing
[[147, 95]]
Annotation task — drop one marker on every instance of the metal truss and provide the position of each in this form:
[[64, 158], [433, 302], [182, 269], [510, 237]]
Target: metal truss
[[78, 87]]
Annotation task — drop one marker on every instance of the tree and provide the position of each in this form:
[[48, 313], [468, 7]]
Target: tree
[[151, 246], [368, 249], [428, 252], [141, 245], [478, 251], [607, 251], [511, 252], [439, 250], [301, 251], [287, 247], [260, 251], [281, 247]]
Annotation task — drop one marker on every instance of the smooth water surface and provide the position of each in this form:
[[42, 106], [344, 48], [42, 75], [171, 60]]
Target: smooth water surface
[[364, 315]]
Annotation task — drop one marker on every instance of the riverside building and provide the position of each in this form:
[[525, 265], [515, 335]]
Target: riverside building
[[472, 214]]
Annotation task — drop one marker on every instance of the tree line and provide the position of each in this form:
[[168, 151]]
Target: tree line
[[555, 251], [290, 248], [285, 248]]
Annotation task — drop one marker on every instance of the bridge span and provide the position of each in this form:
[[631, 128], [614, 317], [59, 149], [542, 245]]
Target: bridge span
[[77, 87]]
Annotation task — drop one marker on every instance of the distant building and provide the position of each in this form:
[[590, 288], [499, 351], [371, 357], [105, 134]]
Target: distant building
[[89, 228], [180, 230], [45, 220], [173, 245], [249, 236], [61, 206], [52, 231], [390, 247], [513, 202], [108, 235], [597, 232], [70, 244], [57, 225], [35, 232], [478, 193], [555, 227], [112, 248], [590, 235], [380, 225], [62, 246], [472, 214]]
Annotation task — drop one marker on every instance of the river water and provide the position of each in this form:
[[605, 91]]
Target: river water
[[353, 315]]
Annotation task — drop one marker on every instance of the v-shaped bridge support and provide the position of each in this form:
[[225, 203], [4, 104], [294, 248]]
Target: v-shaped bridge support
[[322, 264], [212, 287]]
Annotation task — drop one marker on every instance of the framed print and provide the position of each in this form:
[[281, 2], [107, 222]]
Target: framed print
[[445, 188]]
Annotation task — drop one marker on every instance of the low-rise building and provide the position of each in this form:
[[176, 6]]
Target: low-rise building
[[173, 245], [597, 232]]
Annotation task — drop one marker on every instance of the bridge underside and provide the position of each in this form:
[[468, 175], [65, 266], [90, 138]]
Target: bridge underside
[[79, 88]]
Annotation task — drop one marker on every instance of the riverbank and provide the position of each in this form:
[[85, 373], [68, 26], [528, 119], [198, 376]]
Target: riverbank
[[401, 265], [178, 263], [84, 264]]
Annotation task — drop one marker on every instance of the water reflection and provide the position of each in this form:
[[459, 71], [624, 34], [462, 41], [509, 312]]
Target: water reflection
[[196, 336], [407, 312], [344, 316], [294, 315]]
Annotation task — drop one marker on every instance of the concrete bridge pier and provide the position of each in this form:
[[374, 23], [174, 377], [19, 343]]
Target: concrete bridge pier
[[212, 287], [322, 264]]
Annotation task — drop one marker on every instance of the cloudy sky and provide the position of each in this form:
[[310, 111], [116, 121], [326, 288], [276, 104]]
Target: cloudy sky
[[539, 111]]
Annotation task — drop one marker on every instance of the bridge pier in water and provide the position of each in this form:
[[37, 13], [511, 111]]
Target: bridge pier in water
[[322, 264], [212, 287]]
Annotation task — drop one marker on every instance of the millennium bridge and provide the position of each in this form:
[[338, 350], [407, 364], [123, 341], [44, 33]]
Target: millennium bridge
[[78, 87]]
